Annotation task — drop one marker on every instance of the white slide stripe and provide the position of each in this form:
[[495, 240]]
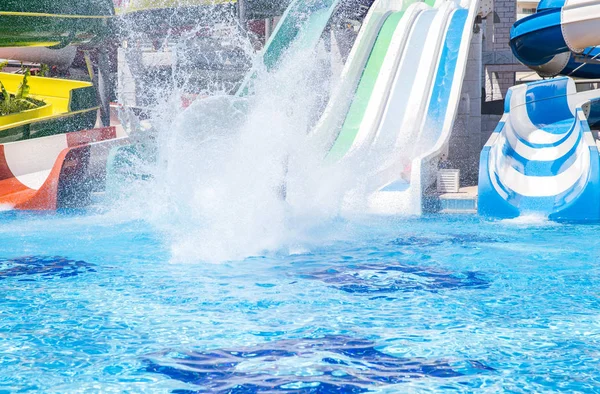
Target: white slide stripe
[[531, 186], [31, 160], [383, 85], [334, 114], [519, 118], [404, 83], [580, 21], [424, 79], [541, 154], [504, 160], [492, 160]]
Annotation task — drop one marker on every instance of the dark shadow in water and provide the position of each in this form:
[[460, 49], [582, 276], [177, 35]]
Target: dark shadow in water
[[43, 267], [397, 277], [333, 364]]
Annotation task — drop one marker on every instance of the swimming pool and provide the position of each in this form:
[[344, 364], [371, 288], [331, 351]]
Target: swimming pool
[[93, 303]]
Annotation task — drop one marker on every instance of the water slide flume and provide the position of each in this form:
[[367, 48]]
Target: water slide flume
[[57, 171], [69, 106], [46, 160], [560, 38], [300, 27], [406, 73], [39, 30], [542, 158], [364, 67], [404, 50], [62, 58], [55, 23]]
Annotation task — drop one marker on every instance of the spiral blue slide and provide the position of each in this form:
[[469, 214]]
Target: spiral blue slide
[[542, 159], [560, 38]]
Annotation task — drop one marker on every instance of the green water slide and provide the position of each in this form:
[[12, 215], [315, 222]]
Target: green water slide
[[53, 23], [365, 88], [300, 27]]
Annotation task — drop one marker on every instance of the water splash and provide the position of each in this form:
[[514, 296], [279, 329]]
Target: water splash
[[530, 220], [236, 177]]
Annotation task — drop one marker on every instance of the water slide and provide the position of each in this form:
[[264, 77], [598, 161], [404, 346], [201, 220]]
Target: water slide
[[54, 23], [46, 161], [62, 58], [560, 38], [39, 30], [301, 26], [542, 158], [405, 75], [56, 171], [69, 106]]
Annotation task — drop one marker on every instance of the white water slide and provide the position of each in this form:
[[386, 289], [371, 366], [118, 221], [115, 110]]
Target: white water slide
[[404, 75]]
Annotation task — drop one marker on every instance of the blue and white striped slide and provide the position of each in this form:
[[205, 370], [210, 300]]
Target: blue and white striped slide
[[542, 158]]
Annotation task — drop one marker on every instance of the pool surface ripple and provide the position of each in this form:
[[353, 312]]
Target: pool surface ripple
[[93, 302]]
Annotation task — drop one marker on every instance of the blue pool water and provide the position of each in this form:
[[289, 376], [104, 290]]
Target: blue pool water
[[93, 303]]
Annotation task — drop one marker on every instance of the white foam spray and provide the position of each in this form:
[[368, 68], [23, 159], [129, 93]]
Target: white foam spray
[[238, 177]]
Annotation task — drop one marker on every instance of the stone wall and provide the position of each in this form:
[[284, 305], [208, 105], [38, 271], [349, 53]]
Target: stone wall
[[495, 66], [504, 17], [463, 151], [498, 78]]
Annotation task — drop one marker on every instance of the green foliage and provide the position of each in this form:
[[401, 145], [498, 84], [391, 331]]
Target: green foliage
[[23, 90], [3, 65], [5, 95], [44, 70], [13, 104]]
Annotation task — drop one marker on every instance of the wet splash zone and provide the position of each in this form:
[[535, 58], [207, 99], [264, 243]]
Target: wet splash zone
[[30, 268], [330, 364], [397, 277]]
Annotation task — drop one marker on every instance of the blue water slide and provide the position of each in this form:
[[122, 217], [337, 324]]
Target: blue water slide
[[559, 38], [542, 158]]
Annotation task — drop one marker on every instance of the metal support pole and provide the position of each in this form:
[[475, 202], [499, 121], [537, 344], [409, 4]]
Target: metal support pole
[[268, 28], [242, 13], [104, 85]]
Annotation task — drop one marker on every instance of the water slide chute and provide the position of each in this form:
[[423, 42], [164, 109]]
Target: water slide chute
[[399, 42], [58, 171], [542, 158], [560, 38], [69, 106], [63, 57], [53, 23], [405, 74], [50, 157], [301, 26]]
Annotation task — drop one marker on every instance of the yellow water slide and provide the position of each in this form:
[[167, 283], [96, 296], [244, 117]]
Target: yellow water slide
[[68, 106]]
